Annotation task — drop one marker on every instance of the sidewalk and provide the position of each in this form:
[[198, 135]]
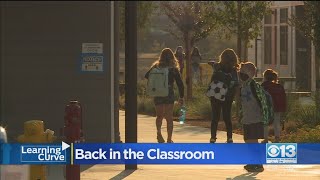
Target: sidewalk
[[184, 134]]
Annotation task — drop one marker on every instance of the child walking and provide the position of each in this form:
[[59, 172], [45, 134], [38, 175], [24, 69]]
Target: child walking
[[225, 72], [253, 109], [164, 104], [278, 95]]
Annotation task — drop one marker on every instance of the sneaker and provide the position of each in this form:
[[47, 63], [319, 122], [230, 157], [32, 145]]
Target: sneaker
[[160, 138], [213, 140], [230, 140], [259, 168], [254, 168], [169, 141], [265, 141], [247, 167]]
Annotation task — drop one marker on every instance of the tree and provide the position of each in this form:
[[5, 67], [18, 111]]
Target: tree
[[309, 25], [191, 22], [145, 12], [243, 18]]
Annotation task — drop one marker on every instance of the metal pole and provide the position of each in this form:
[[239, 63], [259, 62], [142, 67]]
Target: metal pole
[[239, 43], [256, 54], [131, 74], [116, 72], [112, 70]]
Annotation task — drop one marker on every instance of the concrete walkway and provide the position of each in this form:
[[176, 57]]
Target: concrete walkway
[[184, 134]]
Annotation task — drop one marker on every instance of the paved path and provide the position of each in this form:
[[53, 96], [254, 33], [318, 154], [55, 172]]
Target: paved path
[[186, 133]]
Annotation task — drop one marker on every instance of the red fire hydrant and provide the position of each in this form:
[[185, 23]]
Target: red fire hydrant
[[73, 134]]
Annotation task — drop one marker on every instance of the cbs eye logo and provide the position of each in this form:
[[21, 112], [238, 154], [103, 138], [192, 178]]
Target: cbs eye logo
[[282, 151]]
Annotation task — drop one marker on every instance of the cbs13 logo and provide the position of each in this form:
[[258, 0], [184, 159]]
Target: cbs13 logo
[[282, 150]]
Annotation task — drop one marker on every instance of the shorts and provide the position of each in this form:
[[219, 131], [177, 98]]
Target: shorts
[[165, 100], [253, 131]]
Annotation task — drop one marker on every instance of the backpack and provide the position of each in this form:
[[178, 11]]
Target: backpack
[[220, 83], [157, 85], [265, 101]]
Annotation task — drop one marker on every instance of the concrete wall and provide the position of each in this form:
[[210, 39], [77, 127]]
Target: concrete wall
[[40, 52]]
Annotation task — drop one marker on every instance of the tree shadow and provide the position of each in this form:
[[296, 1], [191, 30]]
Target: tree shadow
[[123, 174], [246, 176]]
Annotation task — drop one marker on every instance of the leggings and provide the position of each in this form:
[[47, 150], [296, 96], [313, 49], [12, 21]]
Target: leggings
[[216, 107]]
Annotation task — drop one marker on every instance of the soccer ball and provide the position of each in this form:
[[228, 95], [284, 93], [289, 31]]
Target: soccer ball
[[218, 90]]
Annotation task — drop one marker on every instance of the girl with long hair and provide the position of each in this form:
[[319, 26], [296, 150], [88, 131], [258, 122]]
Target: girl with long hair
[[224, 71], [164, 105]]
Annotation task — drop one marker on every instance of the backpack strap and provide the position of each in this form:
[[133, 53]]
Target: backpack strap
[[253, 88], [259, 93]]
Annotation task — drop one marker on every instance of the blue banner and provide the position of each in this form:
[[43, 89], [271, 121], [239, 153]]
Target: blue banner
[[34, 154], [155, 153]]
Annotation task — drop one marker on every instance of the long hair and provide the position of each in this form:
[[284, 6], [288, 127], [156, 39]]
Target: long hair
[[179, 48], [166, 59], [228, 58], [195, 52]]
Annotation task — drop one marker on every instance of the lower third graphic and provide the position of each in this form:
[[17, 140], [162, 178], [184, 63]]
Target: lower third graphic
[[281, 153], [44, 153]]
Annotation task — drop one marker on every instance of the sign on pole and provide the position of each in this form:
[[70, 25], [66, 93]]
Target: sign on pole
[[91, 62], [92, 48], [92, 57]]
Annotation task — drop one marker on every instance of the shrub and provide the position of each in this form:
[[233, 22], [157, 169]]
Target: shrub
[[317, 100], [303, 136], [200, 104], [149, 107], [293, 107], [308, 116], [176, 110], [141, 88], [291, 127], [146, 105]]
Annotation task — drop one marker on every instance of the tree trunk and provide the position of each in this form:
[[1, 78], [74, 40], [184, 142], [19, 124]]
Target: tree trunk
[[245, 51], [318, 71], [238, 48], [188, 65], [239, 31]]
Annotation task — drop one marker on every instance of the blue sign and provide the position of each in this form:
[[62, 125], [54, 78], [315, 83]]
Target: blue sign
[[91, 62], [35, 153]]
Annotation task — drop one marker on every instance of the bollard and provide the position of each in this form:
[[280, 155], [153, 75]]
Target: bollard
[[34, 133], [73, 134]]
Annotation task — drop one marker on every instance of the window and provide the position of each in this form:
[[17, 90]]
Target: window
[[267, 19], [284, 15], [284, 45], [267, 45], [275, 17]]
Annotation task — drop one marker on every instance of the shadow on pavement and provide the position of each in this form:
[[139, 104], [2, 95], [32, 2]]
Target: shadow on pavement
[[85, 167], [246, 176], [123, 174]]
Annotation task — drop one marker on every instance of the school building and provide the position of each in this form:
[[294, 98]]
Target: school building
[[285, 49]]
